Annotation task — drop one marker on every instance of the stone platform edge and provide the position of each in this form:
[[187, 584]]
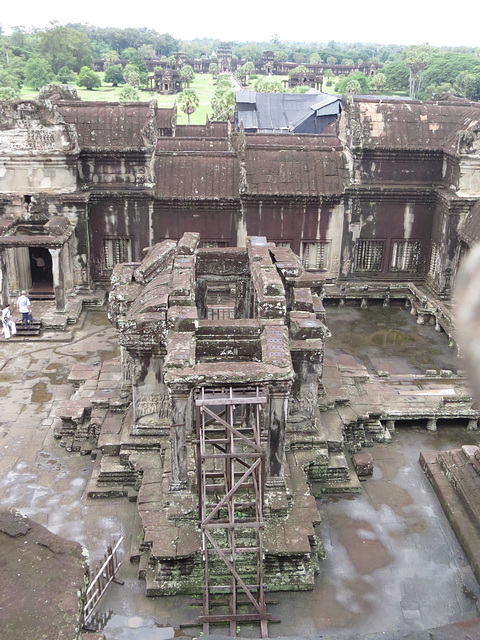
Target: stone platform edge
[[467, 532]]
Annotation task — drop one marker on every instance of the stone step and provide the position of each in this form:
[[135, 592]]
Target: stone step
[[33, 328], [97, 490], [333, 427], [74, 411]]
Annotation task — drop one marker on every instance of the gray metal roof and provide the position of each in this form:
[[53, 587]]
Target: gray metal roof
[[282, 111]]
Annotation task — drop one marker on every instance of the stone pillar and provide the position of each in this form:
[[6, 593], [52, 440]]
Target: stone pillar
[[241, 300], [364, 303], [149, 394], [18, 268], [127, 367], [438, 326], [180, 425], [58, 283], [390, 424], [3, 280], [472, 424], [201, 295], [432, 424], [421, 318], [278, 403], [307, 364], [67, 265]]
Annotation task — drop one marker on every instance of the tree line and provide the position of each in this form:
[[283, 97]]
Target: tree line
[[64, 53]]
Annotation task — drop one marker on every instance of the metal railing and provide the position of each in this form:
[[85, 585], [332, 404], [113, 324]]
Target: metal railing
[[103, 577]]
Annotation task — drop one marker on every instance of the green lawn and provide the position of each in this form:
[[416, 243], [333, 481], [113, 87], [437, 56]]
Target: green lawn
[[203, 85]]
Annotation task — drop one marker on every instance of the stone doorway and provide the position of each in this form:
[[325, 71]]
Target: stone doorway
[[41, 272]]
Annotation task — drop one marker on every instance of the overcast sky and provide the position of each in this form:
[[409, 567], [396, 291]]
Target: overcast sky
[[406, 22]]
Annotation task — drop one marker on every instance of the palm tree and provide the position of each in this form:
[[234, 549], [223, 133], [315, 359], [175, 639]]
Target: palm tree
[[187, 74], [188, 100]]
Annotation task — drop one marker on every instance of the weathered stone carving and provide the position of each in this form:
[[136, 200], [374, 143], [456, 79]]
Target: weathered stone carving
[[469, 141]]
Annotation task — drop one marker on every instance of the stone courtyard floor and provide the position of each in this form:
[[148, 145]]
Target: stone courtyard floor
[[393, 564]]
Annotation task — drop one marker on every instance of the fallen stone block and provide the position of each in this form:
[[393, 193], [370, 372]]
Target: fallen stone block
[[363, 464]]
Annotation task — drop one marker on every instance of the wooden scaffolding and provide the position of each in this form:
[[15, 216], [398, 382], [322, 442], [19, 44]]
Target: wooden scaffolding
[[231, 472]]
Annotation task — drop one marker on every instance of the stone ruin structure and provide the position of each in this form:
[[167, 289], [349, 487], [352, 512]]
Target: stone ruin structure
[[268, 65], [222, 353], [223, 421], [387, 196], [165, 81], [247, 238]]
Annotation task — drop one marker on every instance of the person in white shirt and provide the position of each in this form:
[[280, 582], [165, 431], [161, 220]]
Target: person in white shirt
[[23, 307], [8, 325]]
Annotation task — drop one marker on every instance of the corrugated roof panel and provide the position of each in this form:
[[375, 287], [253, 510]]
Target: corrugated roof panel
[[249, 119], [248, 97], [281, 112]]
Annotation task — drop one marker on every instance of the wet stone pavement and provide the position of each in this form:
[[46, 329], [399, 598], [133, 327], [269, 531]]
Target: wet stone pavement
[[387, 339], [393, 564], [37, 476]]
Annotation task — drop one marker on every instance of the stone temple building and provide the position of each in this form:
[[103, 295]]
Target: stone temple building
[[220, 249], [389, 192]]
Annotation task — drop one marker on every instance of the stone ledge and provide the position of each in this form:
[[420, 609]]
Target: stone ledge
[[466, 529]]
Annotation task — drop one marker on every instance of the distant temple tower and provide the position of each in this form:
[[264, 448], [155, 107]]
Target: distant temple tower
[[224, 58]]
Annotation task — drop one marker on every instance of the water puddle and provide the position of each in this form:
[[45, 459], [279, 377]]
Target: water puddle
[[40, 395], [392, 337], [57, 373], [386, 339], [49, 462], [98, 319], [117, 627]]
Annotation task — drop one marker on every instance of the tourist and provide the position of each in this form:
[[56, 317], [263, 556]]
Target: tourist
[[8, 325], [40, 262], [23, 307]]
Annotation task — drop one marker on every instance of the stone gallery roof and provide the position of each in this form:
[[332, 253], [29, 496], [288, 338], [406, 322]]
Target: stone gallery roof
[[166, 117], [210, 130], [186, 145], [294, 165], [470, 231], [110, 125], [34, 127], [408, 124], [191, 176]]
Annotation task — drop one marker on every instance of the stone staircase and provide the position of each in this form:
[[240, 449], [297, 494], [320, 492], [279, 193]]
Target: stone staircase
[[33, 328], [97, 403]]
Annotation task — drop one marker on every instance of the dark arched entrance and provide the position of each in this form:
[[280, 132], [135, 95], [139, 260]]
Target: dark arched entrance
[[41, 270]]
